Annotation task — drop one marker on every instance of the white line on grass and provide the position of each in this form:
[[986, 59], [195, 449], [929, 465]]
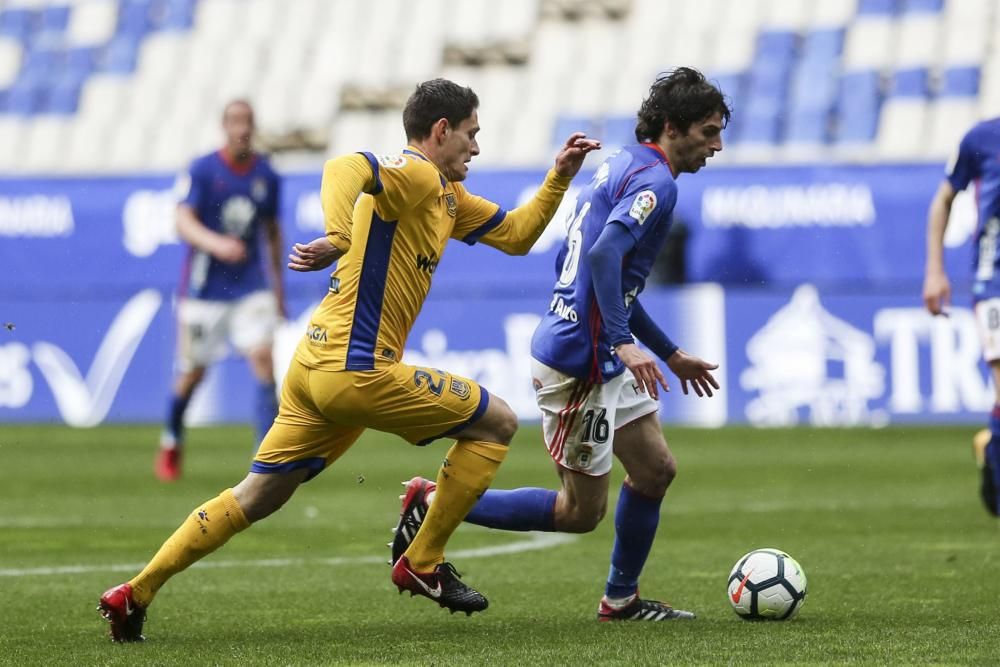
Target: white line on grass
[[535, 542]]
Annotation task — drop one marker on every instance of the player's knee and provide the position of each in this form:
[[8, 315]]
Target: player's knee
[[662, 476], [655, 479], [504, 424], [581, 519]]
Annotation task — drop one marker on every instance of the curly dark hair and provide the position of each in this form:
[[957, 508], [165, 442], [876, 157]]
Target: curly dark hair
[[433, 100], [681, 96]]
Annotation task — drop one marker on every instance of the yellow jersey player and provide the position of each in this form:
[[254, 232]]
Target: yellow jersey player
[[388, 219]]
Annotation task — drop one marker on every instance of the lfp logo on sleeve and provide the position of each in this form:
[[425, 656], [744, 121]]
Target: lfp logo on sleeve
[[643, 205]]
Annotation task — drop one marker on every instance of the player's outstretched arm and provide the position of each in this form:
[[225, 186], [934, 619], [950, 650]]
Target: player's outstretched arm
[[520, 228], [316, 255], [937, 287]]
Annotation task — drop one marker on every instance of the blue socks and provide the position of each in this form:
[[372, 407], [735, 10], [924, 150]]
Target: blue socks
[[518, 509], [636, 520], [265, 410], [175, 417], [993, 451]]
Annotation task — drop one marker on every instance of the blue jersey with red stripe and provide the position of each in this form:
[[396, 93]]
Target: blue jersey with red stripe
[[634, 188], [978, 162], [231, 199]]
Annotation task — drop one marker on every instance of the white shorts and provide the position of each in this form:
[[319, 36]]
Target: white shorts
[[988, 319], [579, 419], [206, 328]]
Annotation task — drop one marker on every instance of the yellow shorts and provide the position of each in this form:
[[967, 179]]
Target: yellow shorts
[[322, 413]]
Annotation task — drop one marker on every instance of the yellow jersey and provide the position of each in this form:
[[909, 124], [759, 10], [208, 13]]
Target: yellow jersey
[[394, 239]]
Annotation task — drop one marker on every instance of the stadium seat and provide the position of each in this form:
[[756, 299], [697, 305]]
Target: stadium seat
[[16, 23], [878, 7], [133, 18], [960, 82], [175, 15], [902, 124], [966, 42], [921, 5], [857, 111], [948, 119], [833, 13], [790, 15], [918, 40], [63, 95], [989, 97], [119, 57], [913, 82], [25, 97], [822, 45], [12, 132], [11, 55], [868, 43], [92, 23], [47, 136]]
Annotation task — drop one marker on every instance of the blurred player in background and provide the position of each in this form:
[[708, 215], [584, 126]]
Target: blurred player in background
[[388, 219], [596, 389], [978, 161], [231, 200]]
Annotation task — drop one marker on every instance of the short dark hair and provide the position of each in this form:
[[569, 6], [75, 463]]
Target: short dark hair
[[681, 96], [434, 100]]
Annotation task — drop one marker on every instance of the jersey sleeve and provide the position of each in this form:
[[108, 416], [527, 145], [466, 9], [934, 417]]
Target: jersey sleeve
[[192, 185], [648, 197], [401, 182], [475, 216], [962, 169], [513, 232]]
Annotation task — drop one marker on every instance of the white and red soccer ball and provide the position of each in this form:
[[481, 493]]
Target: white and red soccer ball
[[767, 584]]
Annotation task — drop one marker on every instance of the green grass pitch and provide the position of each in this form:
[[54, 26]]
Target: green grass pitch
[[902, 560]]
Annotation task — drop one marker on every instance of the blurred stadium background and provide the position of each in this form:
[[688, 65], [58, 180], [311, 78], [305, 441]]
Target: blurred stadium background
[[799, 257]]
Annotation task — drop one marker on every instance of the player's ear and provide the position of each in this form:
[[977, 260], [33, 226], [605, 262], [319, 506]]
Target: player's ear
[[440, 129]]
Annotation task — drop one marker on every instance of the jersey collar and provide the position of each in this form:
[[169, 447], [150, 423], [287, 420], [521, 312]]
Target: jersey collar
[[416, 152], [240, 169], [659, 151]]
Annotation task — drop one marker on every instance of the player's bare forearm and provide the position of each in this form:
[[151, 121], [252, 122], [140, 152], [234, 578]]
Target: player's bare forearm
[[937, 287], [316, 255], [224, 248], [697, 372], [275, 248], [572, 154]]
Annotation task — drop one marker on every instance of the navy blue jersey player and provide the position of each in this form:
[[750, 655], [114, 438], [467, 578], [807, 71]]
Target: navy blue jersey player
[[976, 163], [230, 204], [597, 390]]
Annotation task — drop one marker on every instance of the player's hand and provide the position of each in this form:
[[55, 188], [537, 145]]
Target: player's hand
[[691, 369], [571, 155], [313, 256], [230, 250], [937, 292], [645, 369]]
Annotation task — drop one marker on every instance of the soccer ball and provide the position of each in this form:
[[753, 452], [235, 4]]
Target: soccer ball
[[767, 584]]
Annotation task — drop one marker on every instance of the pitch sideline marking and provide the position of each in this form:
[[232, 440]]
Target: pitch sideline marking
[[535, 542]]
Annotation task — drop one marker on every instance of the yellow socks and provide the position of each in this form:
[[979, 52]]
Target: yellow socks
[[465, 474], [205, 530]]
